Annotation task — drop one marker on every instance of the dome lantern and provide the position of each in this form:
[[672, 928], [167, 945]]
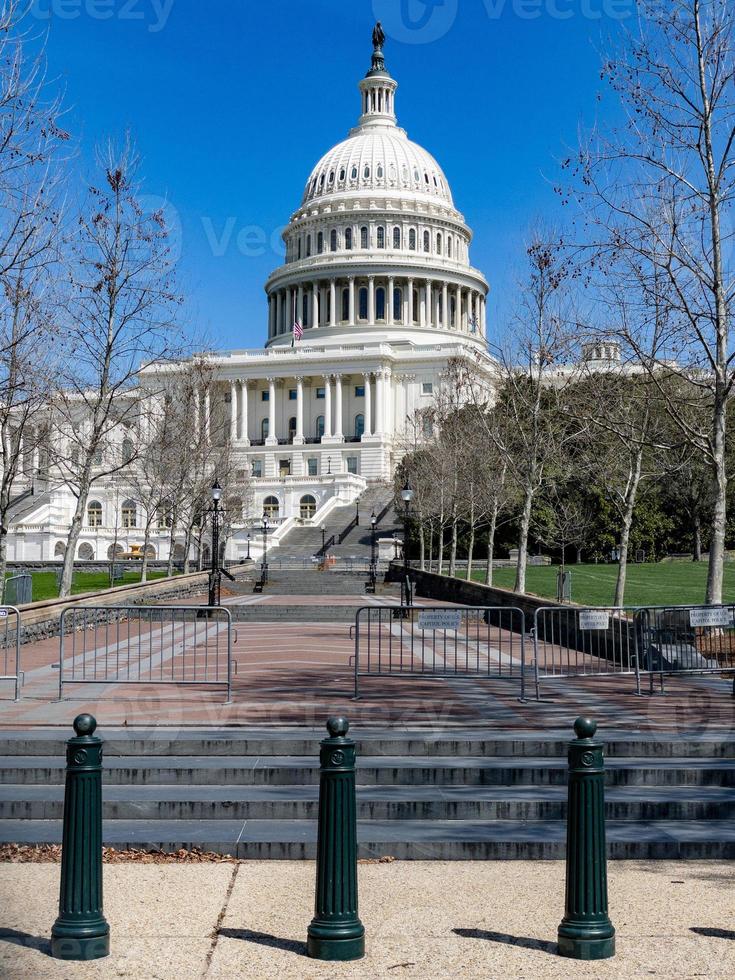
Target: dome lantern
[[377, 88]]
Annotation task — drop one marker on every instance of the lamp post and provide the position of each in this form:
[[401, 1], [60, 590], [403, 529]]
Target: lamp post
[[329, 465], [264, 567], [247, 556], [373, 570], [324, 531], [214, 575], [407, 495]]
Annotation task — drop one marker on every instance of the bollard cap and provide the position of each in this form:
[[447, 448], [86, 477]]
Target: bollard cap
[[84, 725], [585, 728], [338, 727]]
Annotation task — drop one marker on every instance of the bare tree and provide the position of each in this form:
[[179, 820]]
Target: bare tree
[[659, 195], [118, 316]]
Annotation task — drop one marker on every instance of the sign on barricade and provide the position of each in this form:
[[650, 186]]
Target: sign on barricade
[[440, 619], [10, 648]]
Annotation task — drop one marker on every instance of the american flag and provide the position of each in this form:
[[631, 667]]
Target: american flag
[[298, 331]]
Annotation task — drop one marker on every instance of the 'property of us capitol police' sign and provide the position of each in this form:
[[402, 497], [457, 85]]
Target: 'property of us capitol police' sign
[[440, 619], [711, 616]]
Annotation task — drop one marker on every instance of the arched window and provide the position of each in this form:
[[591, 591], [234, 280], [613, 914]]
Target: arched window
[[412, 239], [333, 240], [150, 551], [271, 508], [331, 176], [298, 249], [292, 427], [426, 178], [348, 239], [398, 305], [94, 513], [308, 246], [381, 236], [319, 426], [396, 237], [438, 243], [59, 549], [415, 306], [307, 507], [416, 175], [164, 516], [342, 173], [354, 173], [449, 246], [345, 305], [427, 241], [128, 514], [366, 172], [86, 551], [380, 304], [363, 303], [320, 242], [114, 551], [363, 237], [321, 181], [128, 451], [359, 426], [452, 312], [264, 428]]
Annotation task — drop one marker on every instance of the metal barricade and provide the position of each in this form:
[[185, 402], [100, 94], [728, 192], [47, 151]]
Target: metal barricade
[[583, 642], [439, 641], [180, 645], [18, 589], [10, 648], [686, 640]]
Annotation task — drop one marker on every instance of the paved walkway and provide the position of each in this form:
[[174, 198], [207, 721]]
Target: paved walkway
[[423, 921], [297, 673]]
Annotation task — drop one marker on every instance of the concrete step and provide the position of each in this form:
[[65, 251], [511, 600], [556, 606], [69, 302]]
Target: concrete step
[[382, 771], [402, 839], [641, 803], [410, 743]]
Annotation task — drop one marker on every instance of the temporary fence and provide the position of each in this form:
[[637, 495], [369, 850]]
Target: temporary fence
[[439, 641], [180, 645], [10, 648]]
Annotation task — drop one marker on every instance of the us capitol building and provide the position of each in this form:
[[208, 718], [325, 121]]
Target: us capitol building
[[378, 276]]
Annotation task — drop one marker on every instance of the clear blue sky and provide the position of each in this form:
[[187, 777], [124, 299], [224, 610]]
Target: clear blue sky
[[231, 102]]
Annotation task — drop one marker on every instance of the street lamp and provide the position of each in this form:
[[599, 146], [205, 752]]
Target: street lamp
[[324, 531], [407, 495], [247, 556], [264, 567], [373, 570], [214, 575], [329, 465]]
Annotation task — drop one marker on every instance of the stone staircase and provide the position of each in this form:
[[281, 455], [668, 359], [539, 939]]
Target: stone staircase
[[456, 794]]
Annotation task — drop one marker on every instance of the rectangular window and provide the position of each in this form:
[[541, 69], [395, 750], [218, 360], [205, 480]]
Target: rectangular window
[[352, 464], [257, 467], [292, 394], [312, 465], [320, 393], [427, 388], [265, 396], [359, 391]]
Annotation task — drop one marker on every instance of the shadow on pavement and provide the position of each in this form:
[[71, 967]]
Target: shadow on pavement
[[713, 933], [525, 942], [265, 939], [18, 938]]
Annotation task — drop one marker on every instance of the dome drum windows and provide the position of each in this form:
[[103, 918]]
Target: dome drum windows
[[364, 237], [380, 304], [427, 241], [362, 304], [320, 242], [396, 237], [348, 239], [333, 240], [412, 240], [381, 236]]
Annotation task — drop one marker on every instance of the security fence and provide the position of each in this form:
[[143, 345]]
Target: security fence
[[180, 645], [439, 641], [10, 648], [652, 642]]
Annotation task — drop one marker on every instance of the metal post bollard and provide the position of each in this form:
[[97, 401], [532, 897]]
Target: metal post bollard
[[335, 932], [586, 932], [81, 931]]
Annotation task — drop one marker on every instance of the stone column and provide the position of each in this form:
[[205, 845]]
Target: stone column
[[429, 312], [371, 299], [379, 403], [389, 301], [271, 315], [332, 303], [327, 406], [409, 287], [315, 305], [244, 424], [351, 311], [483, 316], [388, 413], [233, 412], [299, 436], [338, 407], [272, 439], [368, 407], [445, 306], [458, 300]]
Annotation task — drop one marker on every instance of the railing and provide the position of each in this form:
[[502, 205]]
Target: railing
[[10, 647], [350, 527], [329, 543], [179, 645], [440, 641]]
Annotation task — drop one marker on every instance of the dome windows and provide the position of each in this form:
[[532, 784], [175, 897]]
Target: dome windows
[[321, 181], [333, 240], [415, 176], [331, 176], [363, 237], [320, 242], [381, 236], [380, 304], [366, 172], [345, 305], [449, 246], [353, 174], [398, 305], [348, 239], [308, 246], [380, 171], [427, 241], [396, 237], [412, 240], [426, 179], [363, 303], [342, 174], [439, 243]]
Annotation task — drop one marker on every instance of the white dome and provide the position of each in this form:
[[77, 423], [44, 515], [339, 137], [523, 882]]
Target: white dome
[[378, 159]]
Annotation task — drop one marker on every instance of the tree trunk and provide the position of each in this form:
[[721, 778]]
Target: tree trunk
[[697, 538], [491, 545], [719, 514], [630, 503], [187, 547], [422, 546], [440, 549], [75, 529], [172, 544], [471, 543], [520, 584], [453, 549], [431, 546], [3, 558], [579, 555], [146, 542]]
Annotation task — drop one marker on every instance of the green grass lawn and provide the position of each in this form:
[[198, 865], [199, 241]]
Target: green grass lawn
[[675, 583], [44, 583]]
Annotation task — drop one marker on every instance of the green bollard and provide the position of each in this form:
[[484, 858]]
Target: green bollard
[[586, 932], [81, 931], [335, 932]]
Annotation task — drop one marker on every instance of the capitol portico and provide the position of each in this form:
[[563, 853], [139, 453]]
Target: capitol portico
[[377, 275]]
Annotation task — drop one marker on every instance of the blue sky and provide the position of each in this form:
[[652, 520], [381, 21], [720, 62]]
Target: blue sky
[[232, 102]]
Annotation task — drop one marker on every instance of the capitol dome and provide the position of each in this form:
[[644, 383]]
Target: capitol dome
[[377, 246]]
